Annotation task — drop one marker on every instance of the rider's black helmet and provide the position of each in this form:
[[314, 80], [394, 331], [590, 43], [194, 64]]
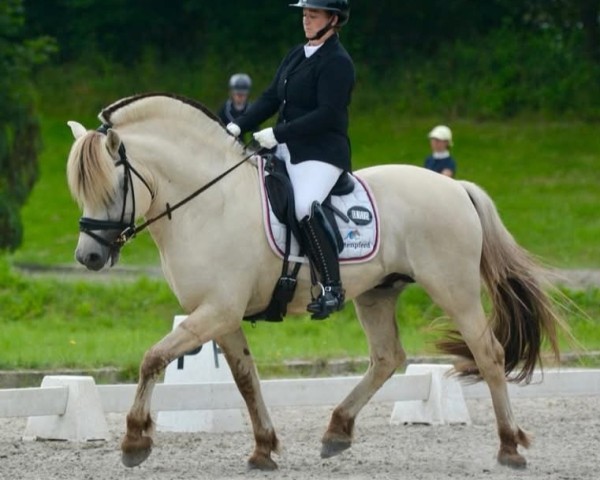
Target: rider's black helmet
[[340, 7], [240, 82]]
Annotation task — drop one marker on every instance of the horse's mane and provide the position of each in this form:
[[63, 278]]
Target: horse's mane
[[91, 174], [132, 107]]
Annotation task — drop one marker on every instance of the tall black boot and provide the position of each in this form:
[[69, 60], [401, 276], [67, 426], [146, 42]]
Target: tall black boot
[[321, 247]]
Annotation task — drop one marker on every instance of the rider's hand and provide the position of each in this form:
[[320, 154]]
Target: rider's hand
[[233, 129], [266, 138]]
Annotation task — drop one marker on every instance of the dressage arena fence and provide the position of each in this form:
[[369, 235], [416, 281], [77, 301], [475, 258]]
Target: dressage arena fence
[[74, 407]]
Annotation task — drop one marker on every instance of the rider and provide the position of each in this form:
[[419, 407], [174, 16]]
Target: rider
[[311, 91]]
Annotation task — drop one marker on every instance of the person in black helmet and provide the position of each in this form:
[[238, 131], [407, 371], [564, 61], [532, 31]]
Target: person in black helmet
[[237, 103], [311, 92]]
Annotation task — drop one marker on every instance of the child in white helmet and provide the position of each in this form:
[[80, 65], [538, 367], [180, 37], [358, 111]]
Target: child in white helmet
[[440, 160]]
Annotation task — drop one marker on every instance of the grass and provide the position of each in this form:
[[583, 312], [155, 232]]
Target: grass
[[49, 323], [542, 174]]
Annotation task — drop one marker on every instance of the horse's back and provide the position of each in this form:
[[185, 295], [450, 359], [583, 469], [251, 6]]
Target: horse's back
[[426, 218], [417, 190]]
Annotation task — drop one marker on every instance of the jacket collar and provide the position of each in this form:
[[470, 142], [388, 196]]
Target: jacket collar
[[330, 44]]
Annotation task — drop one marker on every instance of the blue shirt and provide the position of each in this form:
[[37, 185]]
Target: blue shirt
[[440, 164]]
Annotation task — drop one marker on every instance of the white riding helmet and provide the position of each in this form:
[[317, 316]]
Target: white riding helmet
[[441, 132]]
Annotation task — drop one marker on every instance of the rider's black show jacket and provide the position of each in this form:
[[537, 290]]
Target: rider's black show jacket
[[312, 96]]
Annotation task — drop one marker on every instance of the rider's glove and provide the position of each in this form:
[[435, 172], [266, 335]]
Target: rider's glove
[[233, 129], [266, 138]]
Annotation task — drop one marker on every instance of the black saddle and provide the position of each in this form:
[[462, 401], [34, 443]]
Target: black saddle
[[281, 195]]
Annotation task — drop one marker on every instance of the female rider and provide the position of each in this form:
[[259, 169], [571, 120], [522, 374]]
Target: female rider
[[311, 92]]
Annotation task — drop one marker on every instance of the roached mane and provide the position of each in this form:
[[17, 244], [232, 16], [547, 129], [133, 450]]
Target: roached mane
[[91, 174]]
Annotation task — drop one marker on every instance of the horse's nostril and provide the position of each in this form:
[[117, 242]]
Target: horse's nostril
[[94, 261]]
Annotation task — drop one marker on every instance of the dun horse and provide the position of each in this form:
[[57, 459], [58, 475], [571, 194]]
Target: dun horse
[[156, 149]]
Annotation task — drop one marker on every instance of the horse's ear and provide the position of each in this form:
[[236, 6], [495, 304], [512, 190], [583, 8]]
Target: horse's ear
[[77, 129], [113, 142]]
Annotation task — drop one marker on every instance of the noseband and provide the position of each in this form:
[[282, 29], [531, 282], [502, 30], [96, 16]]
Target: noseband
[[129, 229]]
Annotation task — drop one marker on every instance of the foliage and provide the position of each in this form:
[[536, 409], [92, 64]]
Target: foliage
[[19, 130], [520, 72], [497, 60]]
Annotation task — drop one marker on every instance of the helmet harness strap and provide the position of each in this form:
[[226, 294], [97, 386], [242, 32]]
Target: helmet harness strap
[[324, 30]]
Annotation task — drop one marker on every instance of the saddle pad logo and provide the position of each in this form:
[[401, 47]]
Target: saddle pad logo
[[360, 215]]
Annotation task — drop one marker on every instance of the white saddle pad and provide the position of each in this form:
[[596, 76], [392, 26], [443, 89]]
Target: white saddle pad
[[360, 233]]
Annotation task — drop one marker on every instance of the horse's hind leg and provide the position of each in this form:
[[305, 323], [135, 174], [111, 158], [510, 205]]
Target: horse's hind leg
[[239, 358], [376, 312], [462, 301]]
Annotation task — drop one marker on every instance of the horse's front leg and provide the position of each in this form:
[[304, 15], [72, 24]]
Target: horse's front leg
[[199, 327], [236, 351]]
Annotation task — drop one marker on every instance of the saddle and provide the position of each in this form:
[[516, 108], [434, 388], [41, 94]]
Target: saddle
[[281, 197]]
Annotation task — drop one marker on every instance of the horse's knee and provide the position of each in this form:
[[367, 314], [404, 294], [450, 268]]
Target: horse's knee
[[153, 363], [385, 364]]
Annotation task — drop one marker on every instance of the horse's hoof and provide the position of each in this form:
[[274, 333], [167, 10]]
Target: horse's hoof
[[133, 459], [512, 460], [265, 464], [332, 448]]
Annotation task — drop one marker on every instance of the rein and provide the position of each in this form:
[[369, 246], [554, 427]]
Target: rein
[[130, 229]]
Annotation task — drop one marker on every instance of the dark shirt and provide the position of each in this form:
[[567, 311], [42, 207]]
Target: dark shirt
[[440, 164], [228, 113], [312, 96]]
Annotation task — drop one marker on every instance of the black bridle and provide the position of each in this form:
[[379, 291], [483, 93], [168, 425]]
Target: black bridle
[[128, 229]]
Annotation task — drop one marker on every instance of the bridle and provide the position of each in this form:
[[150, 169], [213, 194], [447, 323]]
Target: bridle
[[127, 227]]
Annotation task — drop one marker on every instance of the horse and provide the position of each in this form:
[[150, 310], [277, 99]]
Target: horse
[[152, 153]]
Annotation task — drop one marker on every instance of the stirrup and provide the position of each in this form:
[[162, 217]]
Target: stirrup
[[330, 300]]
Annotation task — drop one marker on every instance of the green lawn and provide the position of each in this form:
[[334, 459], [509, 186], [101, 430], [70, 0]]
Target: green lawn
[[49, 323], [543, 176]]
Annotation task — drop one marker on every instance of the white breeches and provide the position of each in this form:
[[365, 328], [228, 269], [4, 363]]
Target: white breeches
[[312, 180]]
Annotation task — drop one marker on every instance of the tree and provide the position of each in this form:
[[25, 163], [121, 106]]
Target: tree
[[19, 130]]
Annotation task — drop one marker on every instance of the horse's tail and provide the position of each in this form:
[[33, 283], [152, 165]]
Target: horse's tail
[[523, 314]]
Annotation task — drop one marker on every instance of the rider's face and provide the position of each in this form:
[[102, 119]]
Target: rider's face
[[314, 20]]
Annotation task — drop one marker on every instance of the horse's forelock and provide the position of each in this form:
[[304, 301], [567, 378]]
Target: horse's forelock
[[91, 173]]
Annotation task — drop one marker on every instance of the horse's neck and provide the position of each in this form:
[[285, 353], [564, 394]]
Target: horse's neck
[[180, 168]]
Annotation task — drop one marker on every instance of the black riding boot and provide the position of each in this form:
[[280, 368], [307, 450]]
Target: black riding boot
[[320, 245]]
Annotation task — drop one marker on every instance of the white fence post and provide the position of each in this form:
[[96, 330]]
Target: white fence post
[[445, 405], [83, 419], [207, 365]]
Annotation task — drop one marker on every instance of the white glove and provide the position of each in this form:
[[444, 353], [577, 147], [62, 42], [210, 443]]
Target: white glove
[[233, 129], [266, 138]]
